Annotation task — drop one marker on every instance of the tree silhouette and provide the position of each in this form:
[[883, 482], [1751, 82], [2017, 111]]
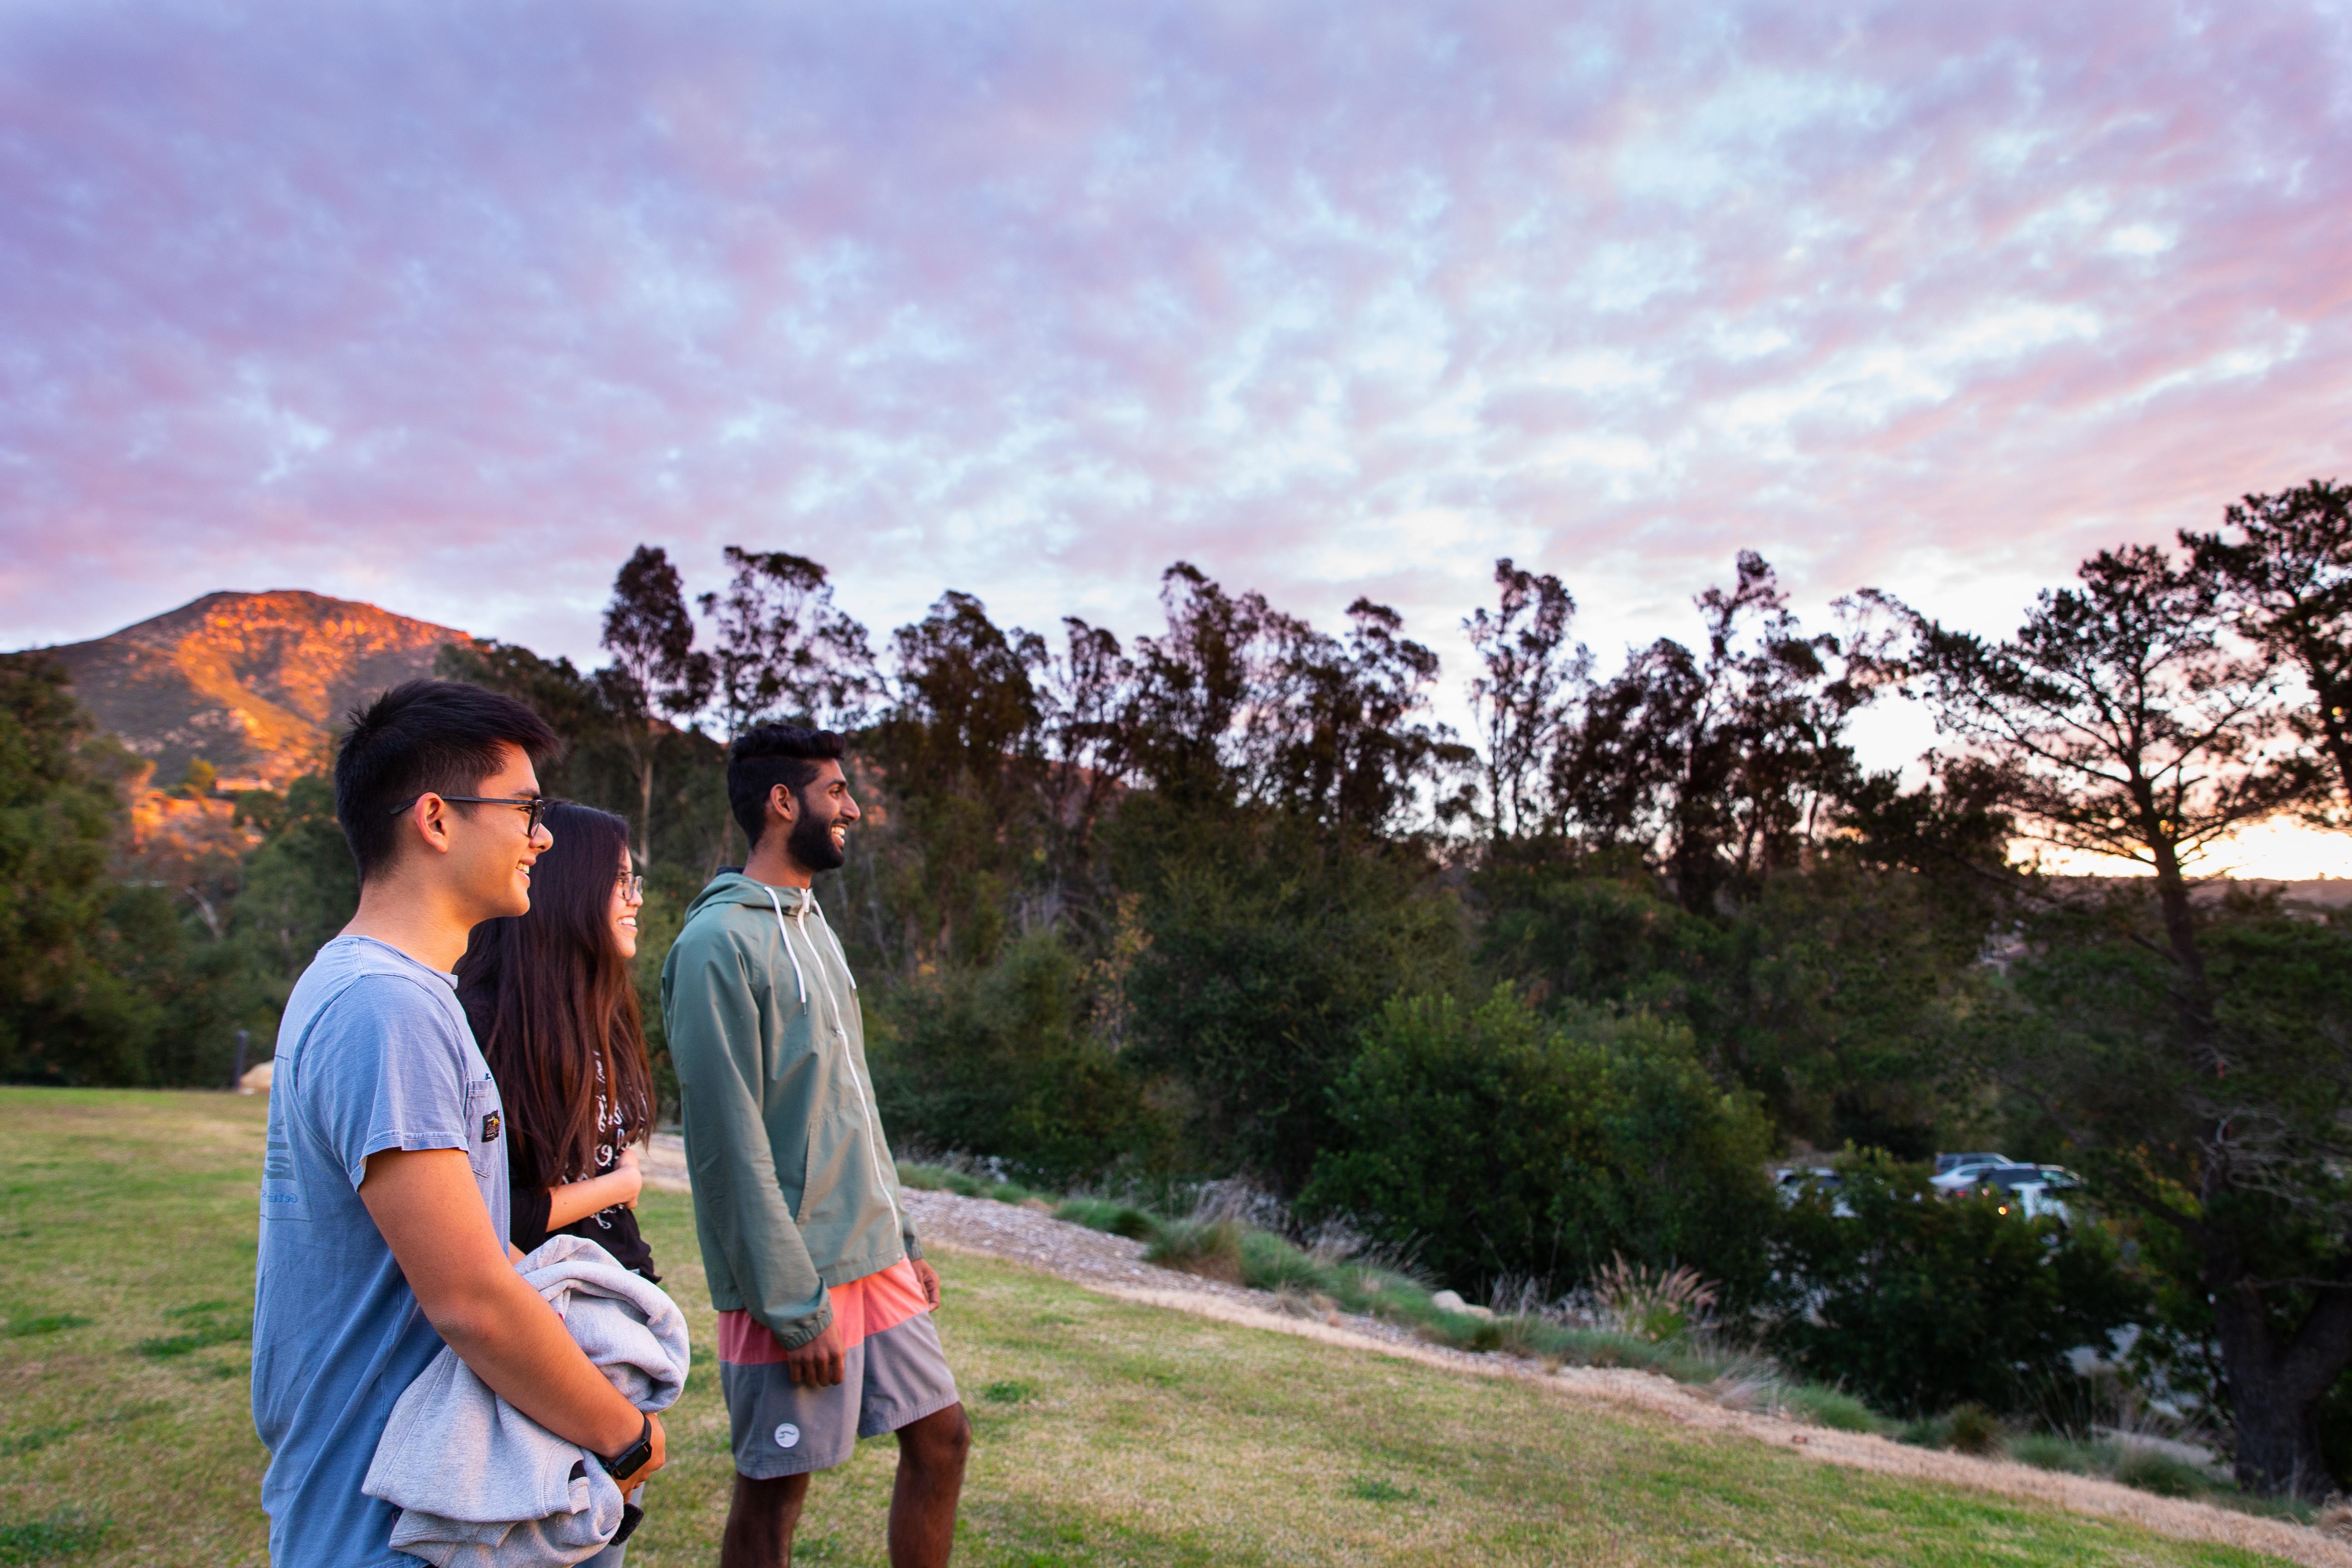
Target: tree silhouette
[[2123, 721], [1528, 677], [784, 650], [2286, 583], [655, 672]]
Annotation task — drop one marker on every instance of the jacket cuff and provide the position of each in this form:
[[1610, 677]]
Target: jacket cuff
[[914, 1248], [800, 1331]]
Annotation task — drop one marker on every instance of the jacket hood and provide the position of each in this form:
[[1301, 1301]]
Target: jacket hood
[[734, 887]]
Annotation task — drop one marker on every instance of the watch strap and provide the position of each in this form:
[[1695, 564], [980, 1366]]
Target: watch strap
[[631, 1459]]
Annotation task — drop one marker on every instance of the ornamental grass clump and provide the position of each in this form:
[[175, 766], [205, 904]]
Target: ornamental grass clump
[[1659, 1306]]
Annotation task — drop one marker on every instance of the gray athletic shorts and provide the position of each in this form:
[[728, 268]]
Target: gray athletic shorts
[[889, 1380]]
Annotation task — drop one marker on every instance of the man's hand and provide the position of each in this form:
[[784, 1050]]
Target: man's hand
[[818, 1363], [929, 1277]]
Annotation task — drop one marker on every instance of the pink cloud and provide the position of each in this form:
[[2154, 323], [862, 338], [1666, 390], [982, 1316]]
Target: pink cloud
[[448, 307]]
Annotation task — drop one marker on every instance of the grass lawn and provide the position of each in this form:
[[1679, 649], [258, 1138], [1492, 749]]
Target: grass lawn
[[1106, 1433]]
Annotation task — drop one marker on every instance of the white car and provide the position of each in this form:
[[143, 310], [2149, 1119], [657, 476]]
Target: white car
[[2029, 1190], [1966, 1172], [1790, 1181]]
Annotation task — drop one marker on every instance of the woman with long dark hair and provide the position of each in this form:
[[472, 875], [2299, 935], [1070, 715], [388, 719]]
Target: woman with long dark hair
[[554, 1009]]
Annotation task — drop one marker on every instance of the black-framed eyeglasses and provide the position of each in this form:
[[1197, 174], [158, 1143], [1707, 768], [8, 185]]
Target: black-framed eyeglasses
[[633, 888], [534, 806]]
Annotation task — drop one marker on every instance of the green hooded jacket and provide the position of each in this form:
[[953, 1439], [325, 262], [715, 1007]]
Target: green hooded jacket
[[795, 1189]]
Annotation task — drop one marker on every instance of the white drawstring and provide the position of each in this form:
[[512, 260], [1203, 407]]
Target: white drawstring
[[838, 951], [873, 1122], [799, 985]]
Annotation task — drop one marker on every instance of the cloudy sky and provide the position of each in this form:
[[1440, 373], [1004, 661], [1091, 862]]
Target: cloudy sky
[[448, 307]]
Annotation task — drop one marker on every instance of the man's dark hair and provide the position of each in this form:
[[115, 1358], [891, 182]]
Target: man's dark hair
[[423, 737], [774, 754]]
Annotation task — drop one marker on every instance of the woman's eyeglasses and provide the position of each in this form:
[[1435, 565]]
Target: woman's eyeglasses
[[533, 806], [633, 888]]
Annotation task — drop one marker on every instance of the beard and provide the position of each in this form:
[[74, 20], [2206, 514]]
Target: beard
[[811, 843]]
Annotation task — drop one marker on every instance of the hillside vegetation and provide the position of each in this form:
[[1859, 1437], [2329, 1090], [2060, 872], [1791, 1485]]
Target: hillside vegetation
[[1105, 1432], [1224, 905]]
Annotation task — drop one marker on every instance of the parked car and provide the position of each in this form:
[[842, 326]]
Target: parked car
[[1788, 1180], [2030, 1190], [1961, 1173]]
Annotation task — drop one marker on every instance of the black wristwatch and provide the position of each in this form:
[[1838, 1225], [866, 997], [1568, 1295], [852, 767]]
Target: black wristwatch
[[631, 1459]]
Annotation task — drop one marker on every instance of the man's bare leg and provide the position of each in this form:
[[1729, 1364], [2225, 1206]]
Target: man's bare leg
[[930, 1479], [761, 1520]]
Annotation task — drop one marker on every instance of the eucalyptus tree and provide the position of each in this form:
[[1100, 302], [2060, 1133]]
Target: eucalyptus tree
[[1718, 763], [784, 650], [1528, 677], [656, 673]]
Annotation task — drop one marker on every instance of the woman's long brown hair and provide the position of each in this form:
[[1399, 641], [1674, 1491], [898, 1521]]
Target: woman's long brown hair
[[551, 999]]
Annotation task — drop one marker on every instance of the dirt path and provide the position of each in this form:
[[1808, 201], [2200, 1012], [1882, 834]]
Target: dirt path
[[1115, 1266]]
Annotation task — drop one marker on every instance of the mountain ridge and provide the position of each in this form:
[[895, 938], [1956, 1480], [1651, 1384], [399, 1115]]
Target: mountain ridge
[[254, 684]]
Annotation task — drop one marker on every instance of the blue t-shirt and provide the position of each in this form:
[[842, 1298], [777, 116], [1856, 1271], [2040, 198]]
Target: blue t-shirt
[[374, 1053]]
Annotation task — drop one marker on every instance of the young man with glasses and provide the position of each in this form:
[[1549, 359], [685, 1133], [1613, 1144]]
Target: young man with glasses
[[383, 1192]]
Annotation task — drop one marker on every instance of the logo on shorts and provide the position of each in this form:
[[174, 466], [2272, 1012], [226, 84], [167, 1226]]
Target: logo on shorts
[[490, 1127], [787, 1436]]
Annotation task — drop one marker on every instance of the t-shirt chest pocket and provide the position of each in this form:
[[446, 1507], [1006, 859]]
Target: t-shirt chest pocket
[[485, 1127]]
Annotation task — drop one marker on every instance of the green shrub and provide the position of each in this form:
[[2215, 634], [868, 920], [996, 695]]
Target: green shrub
[[920, 1177], [926, 1177], [1000, 1060], [1605, 1347], [1270, 1263], [1104, 1215], [1272, 943], [1925, 1432], [1525, 1337], [2048, 1451], [1973, 1429], [2162, 1474], [1831, 1407], [1493, 1142], [1210, 1249], [1920, 1303]]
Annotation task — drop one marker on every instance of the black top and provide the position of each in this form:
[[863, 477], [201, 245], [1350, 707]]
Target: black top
[[613, 1229]]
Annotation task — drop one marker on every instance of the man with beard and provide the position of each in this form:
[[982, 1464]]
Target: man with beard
[[824, 1299]]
